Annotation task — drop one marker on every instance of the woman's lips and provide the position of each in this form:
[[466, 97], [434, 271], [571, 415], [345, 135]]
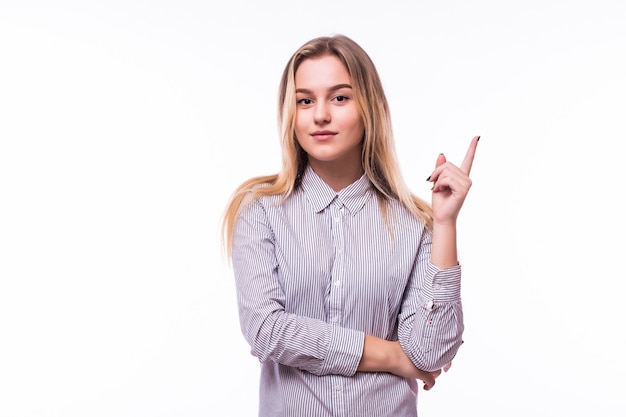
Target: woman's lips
[[322, 135]]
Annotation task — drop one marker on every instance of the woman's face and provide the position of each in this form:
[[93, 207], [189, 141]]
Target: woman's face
[[328, 124]]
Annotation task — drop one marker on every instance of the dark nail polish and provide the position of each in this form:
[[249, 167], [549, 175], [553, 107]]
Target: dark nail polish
[[428, 179]]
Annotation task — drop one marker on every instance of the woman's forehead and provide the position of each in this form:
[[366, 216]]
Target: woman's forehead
[[321, 72]]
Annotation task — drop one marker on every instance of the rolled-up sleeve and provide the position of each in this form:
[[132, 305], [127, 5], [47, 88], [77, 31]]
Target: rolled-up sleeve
[[430, 326]]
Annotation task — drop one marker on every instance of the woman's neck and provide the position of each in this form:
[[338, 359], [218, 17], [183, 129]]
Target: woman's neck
[[337, 176]]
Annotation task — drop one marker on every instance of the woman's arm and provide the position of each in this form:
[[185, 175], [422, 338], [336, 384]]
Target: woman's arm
[[431, 318], [274, 334], [430, 321]]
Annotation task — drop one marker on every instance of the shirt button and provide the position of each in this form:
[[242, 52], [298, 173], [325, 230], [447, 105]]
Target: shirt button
[[437, 286], [337, 283], [337, 219], [337, 388], [430, 305]]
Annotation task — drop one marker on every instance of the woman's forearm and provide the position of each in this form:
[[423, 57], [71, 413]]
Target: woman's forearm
[[380, 355], [444, 249]]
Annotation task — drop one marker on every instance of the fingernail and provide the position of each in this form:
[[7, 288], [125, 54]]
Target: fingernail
[[478, 138], [428, 179]]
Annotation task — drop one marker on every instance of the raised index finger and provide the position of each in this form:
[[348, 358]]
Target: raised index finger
[[466, 165]]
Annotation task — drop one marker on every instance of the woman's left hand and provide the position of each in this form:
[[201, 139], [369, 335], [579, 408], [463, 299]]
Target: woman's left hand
[[451, 185]]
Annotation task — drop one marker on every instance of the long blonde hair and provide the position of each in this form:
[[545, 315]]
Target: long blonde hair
[[379, 158]]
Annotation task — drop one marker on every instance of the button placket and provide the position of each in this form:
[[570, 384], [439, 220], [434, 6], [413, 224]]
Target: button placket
[[336, 214]]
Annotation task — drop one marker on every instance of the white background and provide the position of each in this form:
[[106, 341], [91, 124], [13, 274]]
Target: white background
[[125, 126]]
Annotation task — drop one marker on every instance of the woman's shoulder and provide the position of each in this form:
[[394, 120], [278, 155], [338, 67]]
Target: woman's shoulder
[[263, 195], [405, 215]]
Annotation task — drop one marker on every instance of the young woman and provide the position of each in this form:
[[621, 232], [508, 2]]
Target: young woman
[[348, 285]]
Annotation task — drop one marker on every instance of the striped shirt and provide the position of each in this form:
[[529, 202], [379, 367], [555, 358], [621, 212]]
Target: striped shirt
[[318, 271]]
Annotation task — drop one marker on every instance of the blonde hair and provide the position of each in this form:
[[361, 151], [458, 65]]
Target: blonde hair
[[379, 158]]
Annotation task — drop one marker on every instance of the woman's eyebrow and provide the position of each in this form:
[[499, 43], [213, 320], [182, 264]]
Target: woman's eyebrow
[[333, 88]]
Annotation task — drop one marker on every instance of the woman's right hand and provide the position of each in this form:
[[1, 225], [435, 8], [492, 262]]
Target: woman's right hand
[[381, 355]]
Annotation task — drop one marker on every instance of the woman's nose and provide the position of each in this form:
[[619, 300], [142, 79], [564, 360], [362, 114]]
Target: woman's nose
[[322, 113]]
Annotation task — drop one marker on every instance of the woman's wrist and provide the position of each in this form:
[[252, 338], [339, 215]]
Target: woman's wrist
[[444, 252], [378, 355]]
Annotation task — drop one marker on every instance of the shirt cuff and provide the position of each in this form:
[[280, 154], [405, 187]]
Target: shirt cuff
[[344, 352], [445, 286]]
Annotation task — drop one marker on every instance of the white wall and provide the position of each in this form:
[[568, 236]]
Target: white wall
[[125, 126]]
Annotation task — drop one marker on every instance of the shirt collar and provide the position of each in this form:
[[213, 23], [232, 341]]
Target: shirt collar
[[353, 197]]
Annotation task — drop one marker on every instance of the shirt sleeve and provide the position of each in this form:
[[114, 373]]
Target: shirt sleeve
[[273, 334], [430, 323]]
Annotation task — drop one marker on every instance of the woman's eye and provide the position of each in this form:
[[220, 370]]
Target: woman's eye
[[341, 98], [305, 101]]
